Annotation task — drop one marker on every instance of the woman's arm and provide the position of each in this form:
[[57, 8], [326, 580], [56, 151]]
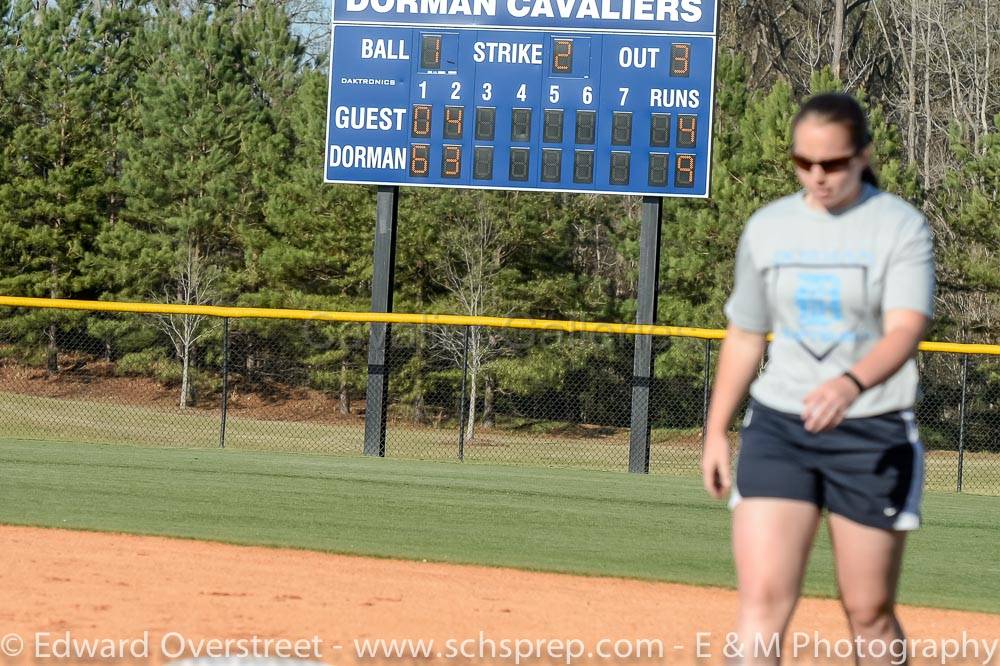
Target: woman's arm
[[824, 407], [739, 360]]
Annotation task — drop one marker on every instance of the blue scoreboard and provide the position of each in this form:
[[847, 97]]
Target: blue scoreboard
[[598, 96]]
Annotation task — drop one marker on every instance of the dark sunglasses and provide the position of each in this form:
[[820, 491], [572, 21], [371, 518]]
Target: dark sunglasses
[[828, 166]]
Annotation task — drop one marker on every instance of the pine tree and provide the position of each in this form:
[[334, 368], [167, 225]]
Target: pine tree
[[53, 154], [699, 237], [187, 171], [318, 235], [122, 54], [969, 264], [9, 34], [314, 252]]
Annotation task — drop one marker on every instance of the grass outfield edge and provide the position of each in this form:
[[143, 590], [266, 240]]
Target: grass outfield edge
[[390, 558], [470, 515]]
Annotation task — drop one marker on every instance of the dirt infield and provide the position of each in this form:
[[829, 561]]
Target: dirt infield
[[65, 590]]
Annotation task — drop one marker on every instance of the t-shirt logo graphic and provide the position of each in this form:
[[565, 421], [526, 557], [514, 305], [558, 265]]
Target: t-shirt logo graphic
[[818, 299], [821, 298], [821, 315]]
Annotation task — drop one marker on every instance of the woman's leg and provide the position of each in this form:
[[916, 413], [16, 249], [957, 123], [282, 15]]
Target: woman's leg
[[771, 542], [868, 565]]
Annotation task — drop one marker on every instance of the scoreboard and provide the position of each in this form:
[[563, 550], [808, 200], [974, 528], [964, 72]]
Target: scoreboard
[[590, 103]]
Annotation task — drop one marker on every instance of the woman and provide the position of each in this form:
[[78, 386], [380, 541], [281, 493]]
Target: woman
[[842, 274]]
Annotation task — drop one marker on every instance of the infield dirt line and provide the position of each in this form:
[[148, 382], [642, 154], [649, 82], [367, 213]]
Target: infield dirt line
[[93, 588]]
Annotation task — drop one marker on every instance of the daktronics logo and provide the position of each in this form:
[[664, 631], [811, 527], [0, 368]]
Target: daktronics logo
[[364, 81]]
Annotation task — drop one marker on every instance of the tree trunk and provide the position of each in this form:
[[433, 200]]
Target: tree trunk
[[489, 419], [418, 383], [345, 399], [52, 349], [927, 101], [185, 363], [837, 37], [986, 70], [911, 89], [470, 424], [419, 407]]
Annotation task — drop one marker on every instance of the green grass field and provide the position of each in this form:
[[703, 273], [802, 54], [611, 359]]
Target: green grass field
[[672, 452], [578, 521]]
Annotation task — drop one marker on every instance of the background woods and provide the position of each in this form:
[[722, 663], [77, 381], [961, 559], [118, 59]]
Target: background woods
[[171, 150]]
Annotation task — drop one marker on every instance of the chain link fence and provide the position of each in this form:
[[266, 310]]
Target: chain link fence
[[471, 393]]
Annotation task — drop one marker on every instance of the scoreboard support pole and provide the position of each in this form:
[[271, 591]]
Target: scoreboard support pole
[[384, 268], [642, 367]]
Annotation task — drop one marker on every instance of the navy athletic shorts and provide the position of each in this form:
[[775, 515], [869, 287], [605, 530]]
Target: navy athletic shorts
[[869, 470]]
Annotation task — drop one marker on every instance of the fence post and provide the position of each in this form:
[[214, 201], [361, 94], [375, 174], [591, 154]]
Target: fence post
[[380, 335], [461, 399], [645, 313], [961, 422], [225, 381], [705, 382]]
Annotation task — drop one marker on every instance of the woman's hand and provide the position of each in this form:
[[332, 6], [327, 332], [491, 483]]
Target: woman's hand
[[825, 406], [739, 359], [715, 465]]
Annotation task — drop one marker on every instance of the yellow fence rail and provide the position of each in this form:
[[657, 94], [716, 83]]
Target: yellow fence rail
[[433, 319]]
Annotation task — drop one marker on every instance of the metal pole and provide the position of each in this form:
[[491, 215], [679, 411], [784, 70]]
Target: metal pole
[[642, 366], [384, 266], [225, 381], [961, 422], [705, 383], [461, 400]]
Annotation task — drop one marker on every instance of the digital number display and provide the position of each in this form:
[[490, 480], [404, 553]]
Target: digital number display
[[421, 126], [621, 128], [620, 167], [551, 165], [569, 57], [562, 56], [520, 125], [430, 52], [420, 160], [482, 163], [659, 130], [454, 117], [684, 171], [519, 162], [486, 123], [583, 166], [687, 131], [658, 164], [552, 127], [586, 127], [680, 60], [451, 161]]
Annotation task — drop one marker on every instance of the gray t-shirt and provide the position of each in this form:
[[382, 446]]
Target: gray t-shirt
[[821, 282]]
